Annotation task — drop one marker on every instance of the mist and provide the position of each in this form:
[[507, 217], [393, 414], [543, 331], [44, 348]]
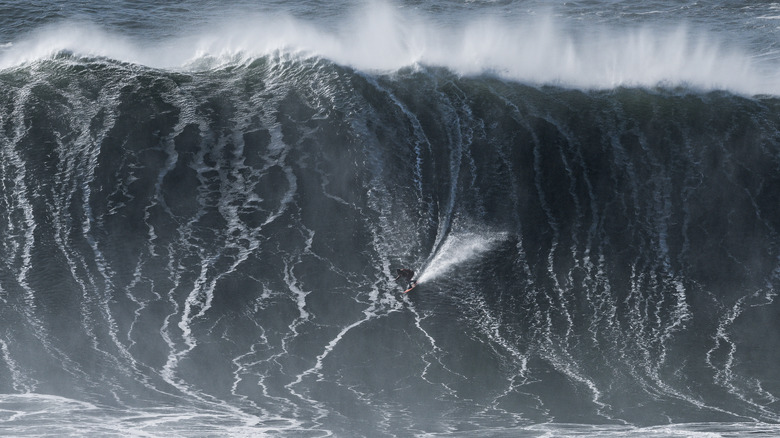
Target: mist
[[458, 249], [538, 49]]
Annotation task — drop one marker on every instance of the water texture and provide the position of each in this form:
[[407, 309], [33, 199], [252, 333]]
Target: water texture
[[202, 209]]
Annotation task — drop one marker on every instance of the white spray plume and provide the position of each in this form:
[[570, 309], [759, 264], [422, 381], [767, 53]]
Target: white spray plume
[[381, 38], [459, 248]]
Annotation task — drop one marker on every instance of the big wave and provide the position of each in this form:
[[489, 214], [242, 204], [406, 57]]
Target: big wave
[[215, 249]]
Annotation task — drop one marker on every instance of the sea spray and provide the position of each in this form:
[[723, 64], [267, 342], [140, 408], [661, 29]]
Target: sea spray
[[457, 249], [536, 49]]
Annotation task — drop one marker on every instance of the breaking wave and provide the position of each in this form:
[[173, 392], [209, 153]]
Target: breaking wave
[[211, 250], [538, 49]]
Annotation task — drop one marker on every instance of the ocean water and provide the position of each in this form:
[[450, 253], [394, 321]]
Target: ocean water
[[202, 208]]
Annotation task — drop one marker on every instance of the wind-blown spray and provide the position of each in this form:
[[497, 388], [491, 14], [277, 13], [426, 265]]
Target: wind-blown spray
[[536, 49], [457, 249]]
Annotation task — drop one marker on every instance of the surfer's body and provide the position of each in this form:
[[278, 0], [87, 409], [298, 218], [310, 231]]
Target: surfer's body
[[406, 276]]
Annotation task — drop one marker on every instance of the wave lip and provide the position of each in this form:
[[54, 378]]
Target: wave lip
[[81, 39], [380, 39]]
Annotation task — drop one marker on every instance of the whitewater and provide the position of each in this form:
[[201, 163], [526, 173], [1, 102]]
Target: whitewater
[[538, 47], [203, 208]]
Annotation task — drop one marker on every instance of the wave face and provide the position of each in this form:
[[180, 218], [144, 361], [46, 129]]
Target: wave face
[[214, 252]]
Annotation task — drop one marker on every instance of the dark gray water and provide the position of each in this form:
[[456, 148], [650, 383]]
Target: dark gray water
[[202, 209]]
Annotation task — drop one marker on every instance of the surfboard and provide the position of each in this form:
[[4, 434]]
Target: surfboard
[[413, 286]]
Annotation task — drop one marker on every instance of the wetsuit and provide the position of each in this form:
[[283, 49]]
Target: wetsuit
[[406, 274]]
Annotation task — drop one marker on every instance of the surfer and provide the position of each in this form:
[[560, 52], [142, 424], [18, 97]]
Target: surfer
[[406, 275]]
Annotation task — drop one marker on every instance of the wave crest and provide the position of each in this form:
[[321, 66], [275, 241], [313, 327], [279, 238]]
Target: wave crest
[[379, 38]]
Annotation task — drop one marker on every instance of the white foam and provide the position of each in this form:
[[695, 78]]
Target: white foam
[[380, 37], [459, 248]]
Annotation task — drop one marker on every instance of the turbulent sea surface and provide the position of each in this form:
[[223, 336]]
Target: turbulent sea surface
[[202, 208]]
